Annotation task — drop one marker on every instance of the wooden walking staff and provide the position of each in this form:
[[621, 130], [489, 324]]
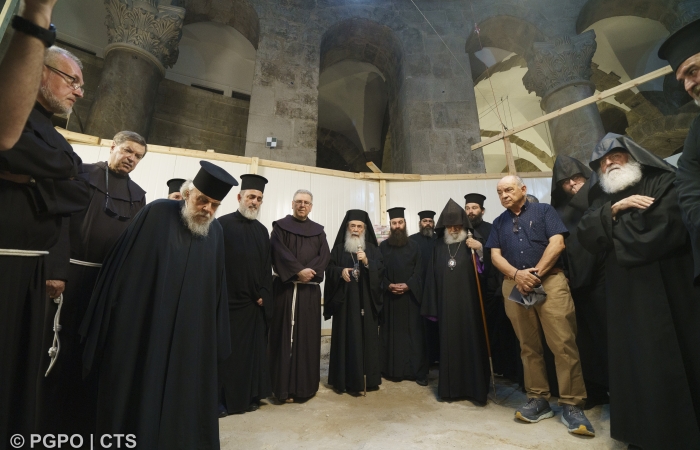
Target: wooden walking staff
[[483, 317]]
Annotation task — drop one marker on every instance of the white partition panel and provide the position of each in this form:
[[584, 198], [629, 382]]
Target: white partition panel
[[333, 196]]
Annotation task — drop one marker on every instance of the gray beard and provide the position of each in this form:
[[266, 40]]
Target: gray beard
[[54, 103], [248, 213], [427, 232], [352, 243], [450, 239], [198, 229], [618, 180]]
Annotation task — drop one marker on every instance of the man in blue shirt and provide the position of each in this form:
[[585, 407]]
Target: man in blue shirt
[[525, 242]]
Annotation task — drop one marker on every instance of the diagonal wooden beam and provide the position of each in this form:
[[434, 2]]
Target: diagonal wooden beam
[[574, 106], [373, 167]]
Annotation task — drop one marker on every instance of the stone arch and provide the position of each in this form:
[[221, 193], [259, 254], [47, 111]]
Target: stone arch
[[238, 14], [338, 152], [505, 32], [596, 10], [366, 41]]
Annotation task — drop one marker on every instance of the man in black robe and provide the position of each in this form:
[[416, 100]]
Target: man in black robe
[[425, 238], [505, 348], [300, 255], [157, 323], [653, 307], [451, 296], [402, 328], [586, 274], [39, 183], [74, 263], [682, 51], [245, 375], [174, 186], [353, 298]]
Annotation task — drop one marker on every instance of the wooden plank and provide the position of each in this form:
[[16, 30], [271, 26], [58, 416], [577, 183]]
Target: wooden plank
[[373, 167], [308, 169], [389, 176], [254, 165], [382, 202], [78, 138], [574, 106], [509, 156], [482, 176]]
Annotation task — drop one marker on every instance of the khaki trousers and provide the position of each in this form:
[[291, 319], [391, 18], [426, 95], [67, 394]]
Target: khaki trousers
[[557, 317]]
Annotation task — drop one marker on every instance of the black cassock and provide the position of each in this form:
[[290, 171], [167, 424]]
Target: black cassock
[[245, 375], [156, 328], [87, 236], [30, 220], [432, 331], [586, 274], [344, 301], [451, 296], [688, 186], [402, 327], [653, 315], [296, 369]]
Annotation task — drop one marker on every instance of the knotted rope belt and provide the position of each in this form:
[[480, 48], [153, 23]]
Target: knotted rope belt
[[294, 305], [12, 252]]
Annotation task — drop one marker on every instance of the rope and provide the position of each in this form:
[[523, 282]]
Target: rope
[[14, 252], [78, 262], [56, 346]]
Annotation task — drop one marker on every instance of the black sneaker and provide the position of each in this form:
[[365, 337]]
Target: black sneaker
[[534, 410], [576, 421]]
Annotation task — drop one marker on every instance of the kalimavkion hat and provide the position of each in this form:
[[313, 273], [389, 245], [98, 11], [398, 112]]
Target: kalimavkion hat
[[174, 185], [681, 45], [427, 214], [396, 213], [213, 181], [252, 181], [475, 198]]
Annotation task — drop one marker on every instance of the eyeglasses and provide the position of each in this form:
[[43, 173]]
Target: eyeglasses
[[573, 178], [72, 81], [515, 224], [109, 205], [302, 202]]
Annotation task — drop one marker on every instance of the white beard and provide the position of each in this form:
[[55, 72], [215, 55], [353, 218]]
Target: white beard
[[352, 243], [450, 239], [622, 178], [248, 213], [197, 228]]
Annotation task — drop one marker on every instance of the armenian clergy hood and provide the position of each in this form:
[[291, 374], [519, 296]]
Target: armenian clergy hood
[[353, 298], [450, 295]]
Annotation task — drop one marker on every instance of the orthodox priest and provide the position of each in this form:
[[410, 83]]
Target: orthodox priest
[[425, 238], [682, 51], [353, 298], [39, 183], [245, 375], [300, 255], [157, 323], [74, 263], [451, 296], [402, 327], [653, 307], [174, 186], [586, 274]]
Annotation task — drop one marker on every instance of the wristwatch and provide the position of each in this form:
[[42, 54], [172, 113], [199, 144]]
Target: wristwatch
[[19, 23]]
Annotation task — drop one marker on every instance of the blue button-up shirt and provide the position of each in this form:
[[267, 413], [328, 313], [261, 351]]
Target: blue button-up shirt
[[536, 223]]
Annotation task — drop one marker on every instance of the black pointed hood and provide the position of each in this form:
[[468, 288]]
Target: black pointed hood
[[566, 167], [356, 214], [453, 214]]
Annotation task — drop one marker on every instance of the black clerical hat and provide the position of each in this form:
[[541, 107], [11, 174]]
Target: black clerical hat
[[427, 214], [453, 214], [213, 181], [475, 198], [396, 213], [681, 45], [174, 185], [356, 214], [252, 181]]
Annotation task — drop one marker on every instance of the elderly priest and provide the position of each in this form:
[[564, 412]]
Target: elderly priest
[[157, 323], [353, 297]]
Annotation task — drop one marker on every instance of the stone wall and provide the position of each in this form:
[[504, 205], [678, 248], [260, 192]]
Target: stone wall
[[192, 118]]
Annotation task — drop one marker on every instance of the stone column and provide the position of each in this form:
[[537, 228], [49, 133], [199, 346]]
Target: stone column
[[559, 72], [143, 41]]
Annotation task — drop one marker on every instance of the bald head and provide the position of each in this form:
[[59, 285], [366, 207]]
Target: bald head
[[511, 192]]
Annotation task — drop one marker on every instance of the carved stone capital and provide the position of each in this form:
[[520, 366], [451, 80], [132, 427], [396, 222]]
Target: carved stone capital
[[687, 12], [157, 29], [559, 62]]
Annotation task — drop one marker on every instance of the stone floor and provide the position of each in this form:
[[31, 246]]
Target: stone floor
[[405, 416]]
